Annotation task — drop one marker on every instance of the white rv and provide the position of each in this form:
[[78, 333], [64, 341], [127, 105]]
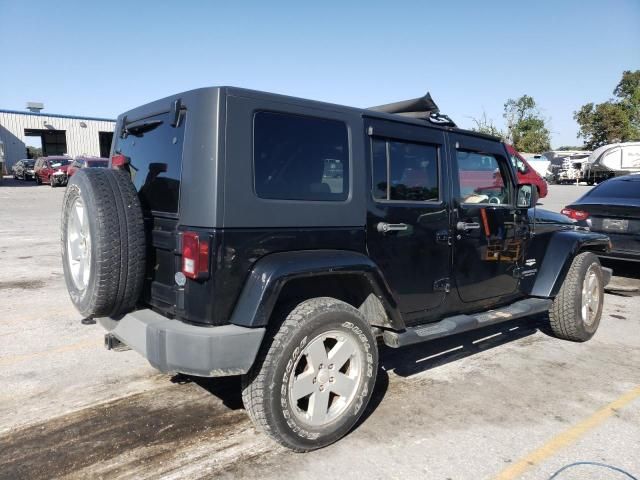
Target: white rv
[[611, 161]]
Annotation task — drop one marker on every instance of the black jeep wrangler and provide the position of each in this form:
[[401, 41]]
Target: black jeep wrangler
[[247, 233]]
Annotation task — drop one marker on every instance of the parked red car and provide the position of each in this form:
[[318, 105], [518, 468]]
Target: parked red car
[[526, 173], [86, 162], [52, 170]]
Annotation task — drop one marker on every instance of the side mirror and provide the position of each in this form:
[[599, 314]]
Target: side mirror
[[527, 196]]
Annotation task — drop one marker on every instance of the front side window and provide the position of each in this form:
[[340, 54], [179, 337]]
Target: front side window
[[481, 178], [300, 158], [404, 171]]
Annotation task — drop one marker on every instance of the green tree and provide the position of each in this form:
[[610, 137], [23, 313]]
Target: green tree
[[616, 120], [526, 129], [34, 152], [485, 125]]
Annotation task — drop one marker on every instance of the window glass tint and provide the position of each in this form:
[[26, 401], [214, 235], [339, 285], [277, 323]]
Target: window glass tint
[[300, 158], [404, 171], [481, 178], [626, 188], [155, 159]]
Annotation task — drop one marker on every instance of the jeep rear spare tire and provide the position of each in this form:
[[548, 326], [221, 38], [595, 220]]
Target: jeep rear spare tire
[[103, 242], [313, 379]]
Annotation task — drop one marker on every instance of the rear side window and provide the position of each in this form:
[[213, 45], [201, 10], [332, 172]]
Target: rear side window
[[300, 158], [154, 149], [404, 171]]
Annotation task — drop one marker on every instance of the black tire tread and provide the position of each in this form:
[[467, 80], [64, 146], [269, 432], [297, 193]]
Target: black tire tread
[[255, 382], [119, 259], [563, 315]]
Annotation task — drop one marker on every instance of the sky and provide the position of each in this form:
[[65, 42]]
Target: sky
[[102, 58]]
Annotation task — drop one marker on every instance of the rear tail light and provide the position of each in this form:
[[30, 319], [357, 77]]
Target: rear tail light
[[119, 161], [195, 256], [574, 214]]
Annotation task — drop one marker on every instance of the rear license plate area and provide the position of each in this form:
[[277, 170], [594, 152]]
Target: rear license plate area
[[615, 225]]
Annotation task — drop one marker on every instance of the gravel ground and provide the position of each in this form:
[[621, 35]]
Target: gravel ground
[[506, 402]]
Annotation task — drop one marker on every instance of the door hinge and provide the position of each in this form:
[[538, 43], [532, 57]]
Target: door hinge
[[442, 285]]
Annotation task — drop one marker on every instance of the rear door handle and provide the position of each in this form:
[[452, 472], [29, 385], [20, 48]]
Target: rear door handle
[[384, 227], [463, 226]]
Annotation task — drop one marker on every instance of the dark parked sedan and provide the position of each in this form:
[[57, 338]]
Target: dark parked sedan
[[613, 207], [23, 169]]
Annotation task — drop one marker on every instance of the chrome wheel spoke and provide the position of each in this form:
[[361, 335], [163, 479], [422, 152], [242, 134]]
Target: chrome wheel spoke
[[319, 407], [340, 353], [316, 354], [303, 385], [343, 385]]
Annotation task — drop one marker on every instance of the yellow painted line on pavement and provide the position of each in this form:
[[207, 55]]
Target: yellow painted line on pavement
[[10, 360], [567, 437]]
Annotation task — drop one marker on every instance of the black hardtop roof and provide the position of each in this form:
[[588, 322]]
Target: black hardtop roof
[[164, 105]]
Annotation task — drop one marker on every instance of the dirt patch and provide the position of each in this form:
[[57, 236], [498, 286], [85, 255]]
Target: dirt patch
[[156, 425], [22, 285]]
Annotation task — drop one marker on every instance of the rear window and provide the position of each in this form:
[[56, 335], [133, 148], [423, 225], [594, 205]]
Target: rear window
[[627, 188], [300, 158], [154, 148]]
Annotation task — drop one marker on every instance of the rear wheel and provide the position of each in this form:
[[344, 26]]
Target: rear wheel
[[576, 310], [314, 377]]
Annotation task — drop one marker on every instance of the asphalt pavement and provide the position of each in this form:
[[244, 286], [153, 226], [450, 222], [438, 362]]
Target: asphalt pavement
[[506, 402]]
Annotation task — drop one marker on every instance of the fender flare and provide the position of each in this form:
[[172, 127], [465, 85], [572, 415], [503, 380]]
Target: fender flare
[[271, 273], [559, 253]]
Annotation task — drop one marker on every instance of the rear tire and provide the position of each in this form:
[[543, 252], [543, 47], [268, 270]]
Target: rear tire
[[313, 376], [576, 310], [103, 232]]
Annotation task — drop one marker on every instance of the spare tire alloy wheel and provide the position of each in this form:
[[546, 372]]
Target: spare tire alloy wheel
[[79, 244]]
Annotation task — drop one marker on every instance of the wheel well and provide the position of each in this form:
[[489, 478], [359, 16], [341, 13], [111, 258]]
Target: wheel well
[[593, 248], [354, 289]]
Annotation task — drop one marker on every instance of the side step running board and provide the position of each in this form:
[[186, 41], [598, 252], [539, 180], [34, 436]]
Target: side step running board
[[463, 323]]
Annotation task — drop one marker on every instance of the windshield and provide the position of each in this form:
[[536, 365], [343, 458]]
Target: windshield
[[60, 162], [29, 163]]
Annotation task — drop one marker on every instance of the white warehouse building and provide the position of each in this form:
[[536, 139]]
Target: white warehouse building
[[59, 134]]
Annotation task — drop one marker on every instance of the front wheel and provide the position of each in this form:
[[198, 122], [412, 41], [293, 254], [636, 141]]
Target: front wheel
[[576, 310], [315, 375]]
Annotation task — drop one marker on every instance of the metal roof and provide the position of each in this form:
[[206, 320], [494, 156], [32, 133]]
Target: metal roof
[[58, 115]]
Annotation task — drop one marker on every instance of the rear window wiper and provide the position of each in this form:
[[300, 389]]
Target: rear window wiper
[[139, 128]]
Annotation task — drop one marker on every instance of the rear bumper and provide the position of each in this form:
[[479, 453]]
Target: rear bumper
[[172, 346]]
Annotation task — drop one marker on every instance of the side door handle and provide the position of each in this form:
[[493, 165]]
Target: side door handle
[[464, 226], [384, 227]]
